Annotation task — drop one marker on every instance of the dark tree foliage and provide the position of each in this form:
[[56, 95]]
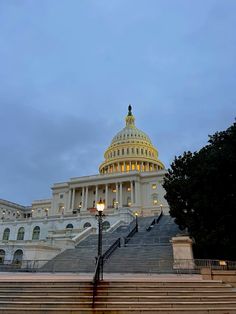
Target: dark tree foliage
[[201, 191]]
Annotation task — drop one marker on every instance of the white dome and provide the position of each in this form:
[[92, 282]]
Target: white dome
[[130, 149]]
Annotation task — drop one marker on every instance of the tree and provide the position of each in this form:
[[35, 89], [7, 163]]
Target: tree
[[201, 192]]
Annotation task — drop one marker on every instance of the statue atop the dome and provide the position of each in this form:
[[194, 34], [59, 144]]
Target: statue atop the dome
[[130, 110]]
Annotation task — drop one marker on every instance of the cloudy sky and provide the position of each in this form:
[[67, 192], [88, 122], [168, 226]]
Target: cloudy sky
[[69, 69]]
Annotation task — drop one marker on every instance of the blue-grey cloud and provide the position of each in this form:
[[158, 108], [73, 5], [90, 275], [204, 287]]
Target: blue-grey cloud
[[69, 70]]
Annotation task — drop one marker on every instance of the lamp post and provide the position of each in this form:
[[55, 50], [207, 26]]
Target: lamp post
[[136, 221], [100, 208]]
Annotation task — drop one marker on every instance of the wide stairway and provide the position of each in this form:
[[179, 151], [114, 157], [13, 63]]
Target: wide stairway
[[147, 251], [173, 296], [82, 258]]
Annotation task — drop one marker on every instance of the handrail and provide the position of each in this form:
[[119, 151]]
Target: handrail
[[159, 217], [155, 221], [96, 277], [111, 249], [130, 235]]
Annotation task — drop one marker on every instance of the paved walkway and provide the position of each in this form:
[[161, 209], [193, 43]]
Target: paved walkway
[[29, 277]]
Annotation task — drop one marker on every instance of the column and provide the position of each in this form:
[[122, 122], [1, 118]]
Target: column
[[106, 196], [137, 193], [82, 199], [118, 167], [86, 198], [73, 199], [134, 193], [69, 200], [131, 192], [117, 201], [96, 195], [121, 196], [136, 165], [124, 166], [142, 166]]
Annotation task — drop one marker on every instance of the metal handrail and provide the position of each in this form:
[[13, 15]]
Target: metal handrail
[[130, 235], [155, 221], [111, 249], [96, 277]]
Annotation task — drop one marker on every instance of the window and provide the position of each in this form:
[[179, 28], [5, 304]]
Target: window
[[61, 195], [154, 199], [141, 151], [17, 258], [6, 234], [123, 151], [36, 233], [87, 225], [129, 201], [69, 226], [137, 151], [2, 256], [21, 234], [127, 151]]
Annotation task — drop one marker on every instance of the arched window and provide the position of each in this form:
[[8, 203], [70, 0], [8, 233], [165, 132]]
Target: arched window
[[36, 233], [17, 258], [69, 226], [6, 234], [105, 225], [2, 256], [21, 233], [87, 225]]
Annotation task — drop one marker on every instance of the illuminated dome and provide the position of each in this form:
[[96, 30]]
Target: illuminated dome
[[130, 150]]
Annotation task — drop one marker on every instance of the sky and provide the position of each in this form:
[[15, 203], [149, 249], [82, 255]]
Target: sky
[[69, 69]]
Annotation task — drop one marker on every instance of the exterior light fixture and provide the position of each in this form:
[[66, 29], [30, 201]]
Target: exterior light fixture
[[100, 209], [100, 206], [136, 221]]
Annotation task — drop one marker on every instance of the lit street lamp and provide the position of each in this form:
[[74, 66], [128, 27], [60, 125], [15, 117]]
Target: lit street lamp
[[100, 208], [136, 221]]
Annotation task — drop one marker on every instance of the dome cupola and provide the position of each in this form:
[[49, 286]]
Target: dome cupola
[[130, 150]]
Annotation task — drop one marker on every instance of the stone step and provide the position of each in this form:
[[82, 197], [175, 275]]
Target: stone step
[[125, 298], [177, 304], [165, 284], [113, 305], [49, 304], [184, 310]]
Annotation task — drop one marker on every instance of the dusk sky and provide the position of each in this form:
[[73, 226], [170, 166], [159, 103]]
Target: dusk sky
[[69, 69]]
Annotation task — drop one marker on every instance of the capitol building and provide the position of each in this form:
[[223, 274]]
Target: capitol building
[[129, 182]]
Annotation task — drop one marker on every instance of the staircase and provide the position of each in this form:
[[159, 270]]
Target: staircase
[[147, 251], [170, 296], [82, 258]]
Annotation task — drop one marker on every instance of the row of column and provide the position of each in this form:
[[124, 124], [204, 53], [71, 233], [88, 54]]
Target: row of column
[[134, 195], [126, 167]]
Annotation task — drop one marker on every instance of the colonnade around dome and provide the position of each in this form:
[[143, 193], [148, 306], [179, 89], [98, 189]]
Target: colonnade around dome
[[126, 166]]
